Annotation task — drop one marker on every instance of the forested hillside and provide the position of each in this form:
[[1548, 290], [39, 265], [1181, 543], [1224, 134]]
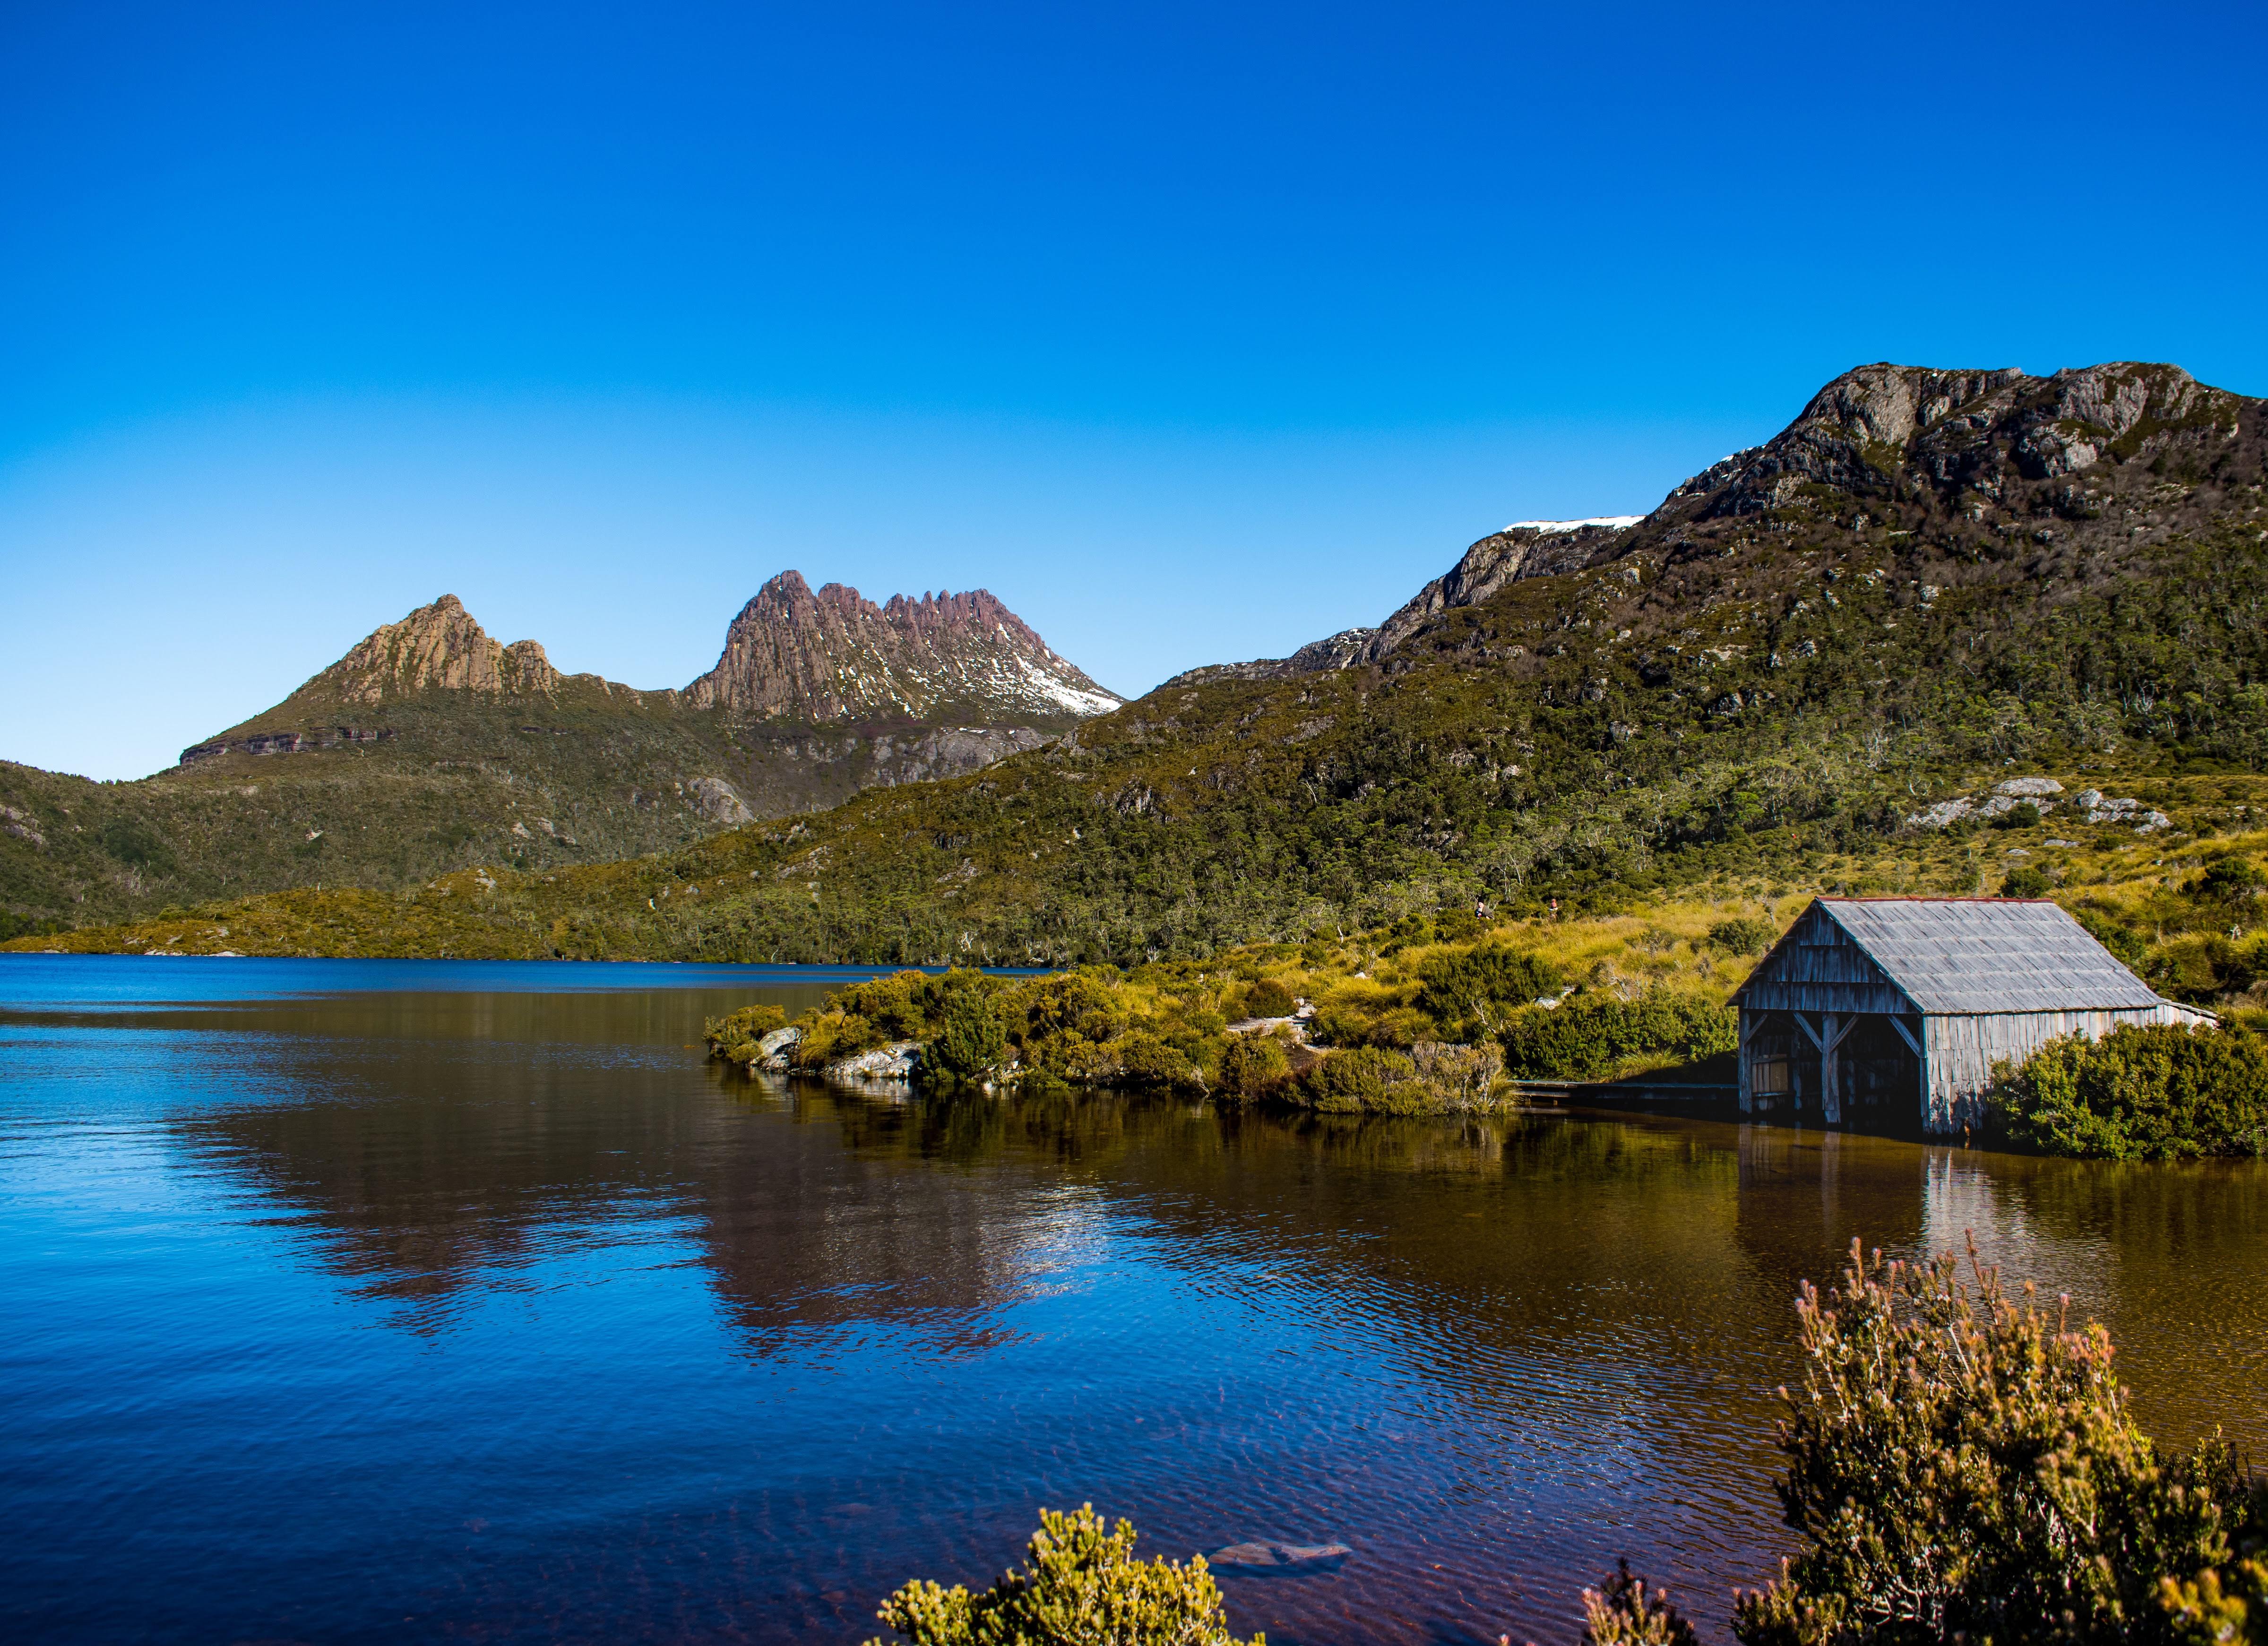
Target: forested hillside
[[1929, 583]]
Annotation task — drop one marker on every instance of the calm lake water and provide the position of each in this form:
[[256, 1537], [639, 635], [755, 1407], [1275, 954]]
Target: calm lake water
[[407, 1301]]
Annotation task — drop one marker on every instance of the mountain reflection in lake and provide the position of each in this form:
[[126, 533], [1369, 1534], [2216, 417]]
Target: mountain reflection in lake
[[352, 1301]]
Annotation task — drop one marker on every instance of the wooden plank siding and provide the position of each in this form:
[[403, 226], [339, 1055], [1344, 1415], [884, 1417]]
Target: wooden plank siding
[[1963, 1048]]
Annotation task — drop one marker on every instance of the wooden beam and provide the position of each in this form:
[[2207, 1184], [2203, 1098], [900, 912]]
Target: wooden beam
[[1829, 1034], [1904, 1033]]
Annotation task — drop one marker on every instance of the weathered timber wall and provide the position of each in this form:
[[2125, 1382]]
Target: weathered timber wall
[[1962, 1050]]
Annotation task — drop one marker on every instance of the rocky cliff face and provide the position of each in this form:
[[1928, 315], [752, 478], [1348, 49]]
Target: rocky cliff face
[[795, 656]]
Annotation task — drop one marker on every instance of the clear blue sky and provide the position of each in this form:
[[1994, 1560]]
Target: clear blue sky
[[1193, 331]]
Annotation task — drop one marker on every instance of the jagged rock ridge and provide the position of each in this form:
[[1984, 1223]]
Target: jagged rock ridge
[[834, 656], [1972, 437]]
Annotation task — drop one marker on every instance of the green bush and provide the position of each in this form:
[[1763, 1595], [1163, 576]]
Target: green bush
[[1167, 1061], [2218, 1608], [1368, 1077], [1743, 937], [2139, 1093], [1268, 998], [2227, 880], [734, 1036], [1457, 925], [1433, 1079], [1474, 992], [970, 1043], [2130, 948], [2023, 814], [1597, 1036], [1079, 1585], [1250, 1062], [2027, 881], [1962, 1466]]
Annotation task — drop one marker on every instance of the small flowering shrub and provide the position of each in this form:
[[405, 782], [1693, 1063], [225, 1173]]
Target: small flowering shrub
[[1079, 1585], [1962, 1466], [1623, 1610]]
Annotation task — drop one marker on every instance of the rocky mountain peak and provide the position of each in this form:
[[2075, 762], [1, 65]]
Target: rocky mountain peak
[[834, 654], [1975, 444], [437, 646], [1972, 430]]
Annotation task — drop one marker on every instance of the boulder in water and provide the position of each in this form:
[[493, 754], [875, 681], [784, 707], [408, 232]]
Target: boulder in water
[[1288, 1559]]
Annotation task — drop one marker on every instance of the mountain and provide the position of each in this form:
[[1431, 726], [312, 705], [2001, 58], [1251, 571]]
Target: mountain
[[431, 746], [832, 656], [1929, 583]]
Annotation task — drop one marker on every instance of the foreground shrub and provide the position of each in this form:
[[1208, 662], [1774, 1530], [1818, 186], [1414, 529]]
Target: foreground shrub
[[2137, 1093], [1960, 1465], [1962, 1468], [1597, 1036], [1079, 1585], [1624, 1612], [2218, 1607]]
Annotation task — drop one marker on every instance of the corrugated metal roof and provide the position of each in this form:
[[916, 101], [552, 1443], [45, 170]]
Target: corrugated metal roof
[[1987, 955]]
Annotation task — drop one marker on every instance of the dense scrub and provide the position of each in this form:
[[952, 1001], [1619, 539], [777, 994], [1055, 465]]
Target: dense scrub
[[1435, 1028], [2156, 1093]]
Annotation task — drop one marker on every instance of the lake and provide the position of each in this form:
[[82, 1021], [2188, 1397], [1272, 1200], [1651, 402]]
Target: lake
[[446, 1301]]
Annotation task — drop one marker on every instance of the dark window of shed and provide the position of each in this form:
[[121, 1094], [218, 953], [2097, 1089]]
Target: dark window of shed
[[1768, 1075]]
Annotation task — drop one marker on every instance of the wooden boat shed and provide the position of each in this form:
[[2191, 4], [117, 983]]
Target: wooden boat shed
[[1886, 1010]]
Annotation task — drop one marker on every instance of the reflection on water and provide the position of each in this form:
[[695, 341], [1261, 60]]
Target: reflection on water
[[485, 1312]]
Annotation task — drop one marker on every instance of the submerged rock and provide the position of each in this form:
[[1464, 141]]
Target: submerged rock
[[1289, 1559]]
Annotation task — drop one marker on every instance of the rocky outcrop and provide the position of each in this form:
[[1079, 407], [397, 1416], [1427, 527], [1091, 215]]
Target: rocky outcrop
[[897, 1061], [1287, 1559], [719, 802], [834, 656], [438, 647], [1531, 549], [286, 742], [1956, 431]]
